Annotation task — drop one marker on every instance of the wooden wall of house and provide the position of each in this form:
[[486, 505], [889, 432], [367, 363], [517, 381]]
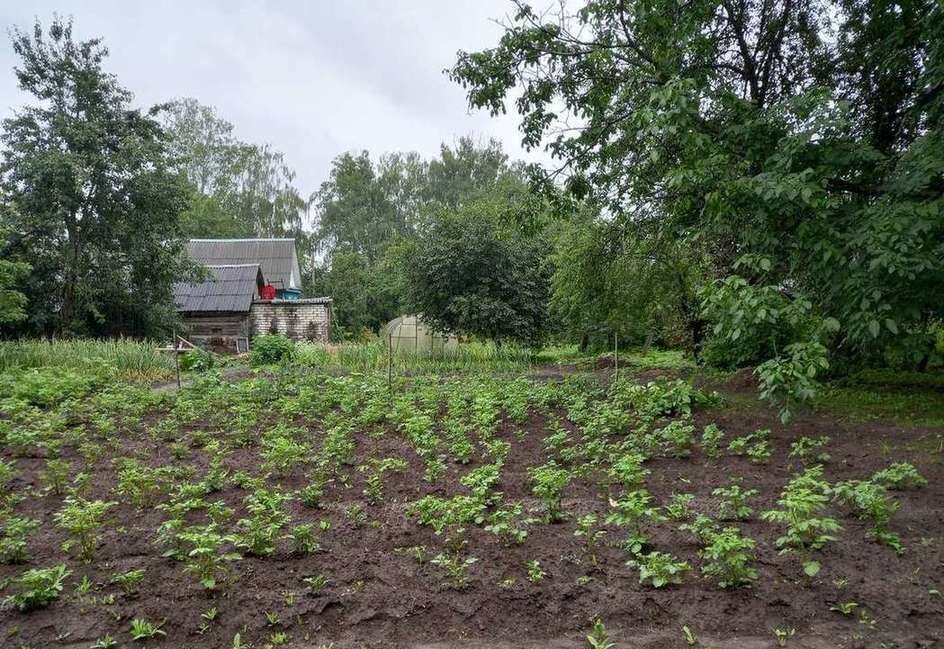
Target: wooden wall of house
[[212, 324]]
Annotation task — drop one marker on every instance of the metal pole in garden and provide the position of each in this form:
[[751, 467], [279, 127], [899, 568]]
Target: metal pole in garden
[[615, 355], [390, 362]]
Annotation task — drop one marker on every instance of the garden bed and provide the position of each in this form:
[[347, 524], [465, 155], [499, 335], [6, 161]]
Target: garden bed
[[375, 572]]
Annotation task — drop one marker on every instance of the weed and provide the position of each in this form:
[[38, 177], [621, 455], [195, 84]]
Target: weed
[[105, 642], [599, 638], [783, 634], [144, 630], [316, 583], [128, 581]]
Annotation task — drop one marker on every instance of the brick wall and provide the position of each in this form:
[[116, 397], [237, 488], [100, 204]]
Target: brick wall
[[297, 319]]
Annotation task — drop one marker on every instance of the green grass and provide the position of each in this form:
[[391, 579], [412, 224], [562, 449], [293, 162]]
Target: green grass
[[365, 357], [130, 358], [905, 406]]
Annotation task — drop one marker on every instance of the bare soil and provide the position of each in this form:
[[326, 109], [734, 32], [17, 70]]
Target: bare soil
[[378, 597]]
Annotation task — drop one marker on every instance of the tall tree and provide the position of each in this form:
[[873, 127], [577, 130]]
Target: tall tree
[[241, 189], [807, 165], [89, 196]]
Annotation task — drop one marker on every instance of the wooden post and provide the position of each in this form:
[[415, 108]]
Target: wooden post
[[176, 358]]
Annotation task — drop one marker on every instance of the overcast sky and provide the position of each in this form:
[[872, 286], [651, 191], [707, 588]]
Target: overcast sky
[[314, 78]]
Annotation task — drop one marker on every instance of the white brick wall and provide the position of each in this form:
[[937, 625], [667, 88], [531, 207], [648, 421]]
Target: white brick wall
[[296, 319]]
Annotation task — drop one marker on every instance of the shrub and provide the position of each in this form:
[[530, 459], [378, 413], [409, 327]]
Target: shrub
[[197, 360], [271, 349]]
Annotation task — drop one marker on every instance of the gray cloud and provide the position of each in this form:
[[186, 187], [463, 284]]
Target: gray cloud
[[314, 79]]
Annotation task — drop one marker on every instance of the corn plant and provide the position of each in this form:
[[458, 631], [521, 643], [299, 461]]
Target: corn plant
[[83, 520], [13, 542], [37, 587], [727, 557], [659, 568]]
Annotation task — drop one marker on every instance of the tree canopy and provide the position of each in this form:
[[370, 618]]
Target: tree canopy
[[798, 145], [88, 194]]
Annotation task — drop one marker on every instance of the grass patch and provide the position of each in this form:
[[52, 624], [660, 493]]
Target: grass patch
[[467, 357], [906, 398], [132, 359]]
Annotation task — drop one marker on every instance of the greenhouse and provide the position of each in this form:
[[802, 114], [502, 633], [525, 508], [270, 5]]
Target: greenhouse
[[408, 333]]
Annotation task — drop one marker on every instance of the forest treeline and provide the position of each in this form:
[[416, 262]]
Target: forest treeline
[[759, 183]]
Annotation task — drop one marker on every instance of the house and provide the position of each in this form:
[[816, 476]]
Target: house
[[253, 287]]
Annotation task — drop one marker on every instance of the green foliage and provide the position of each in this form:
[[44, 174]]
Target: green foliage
[[548, 483], [599, 638], [869, 501], [14, 539], [732, 504], [802, 503], [128, 581], [812, 187], [711, 438], [87, 179], [196, 360], [204, 554], [900, 476], [659, 569], [37, 587], [83, 521], [467, 277], [727, 556], [12, 300], [810, 449], [271, 349], [143, 630], [259, 533], [456, 568]]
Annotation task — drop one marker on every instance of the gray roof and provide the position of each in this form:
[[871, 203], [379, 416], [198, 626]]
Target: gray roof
[[276, 257], [229, 288]]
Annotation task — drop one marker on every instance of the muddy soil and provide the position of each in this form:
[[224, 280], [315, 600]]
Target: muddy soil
[[378, 596]]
